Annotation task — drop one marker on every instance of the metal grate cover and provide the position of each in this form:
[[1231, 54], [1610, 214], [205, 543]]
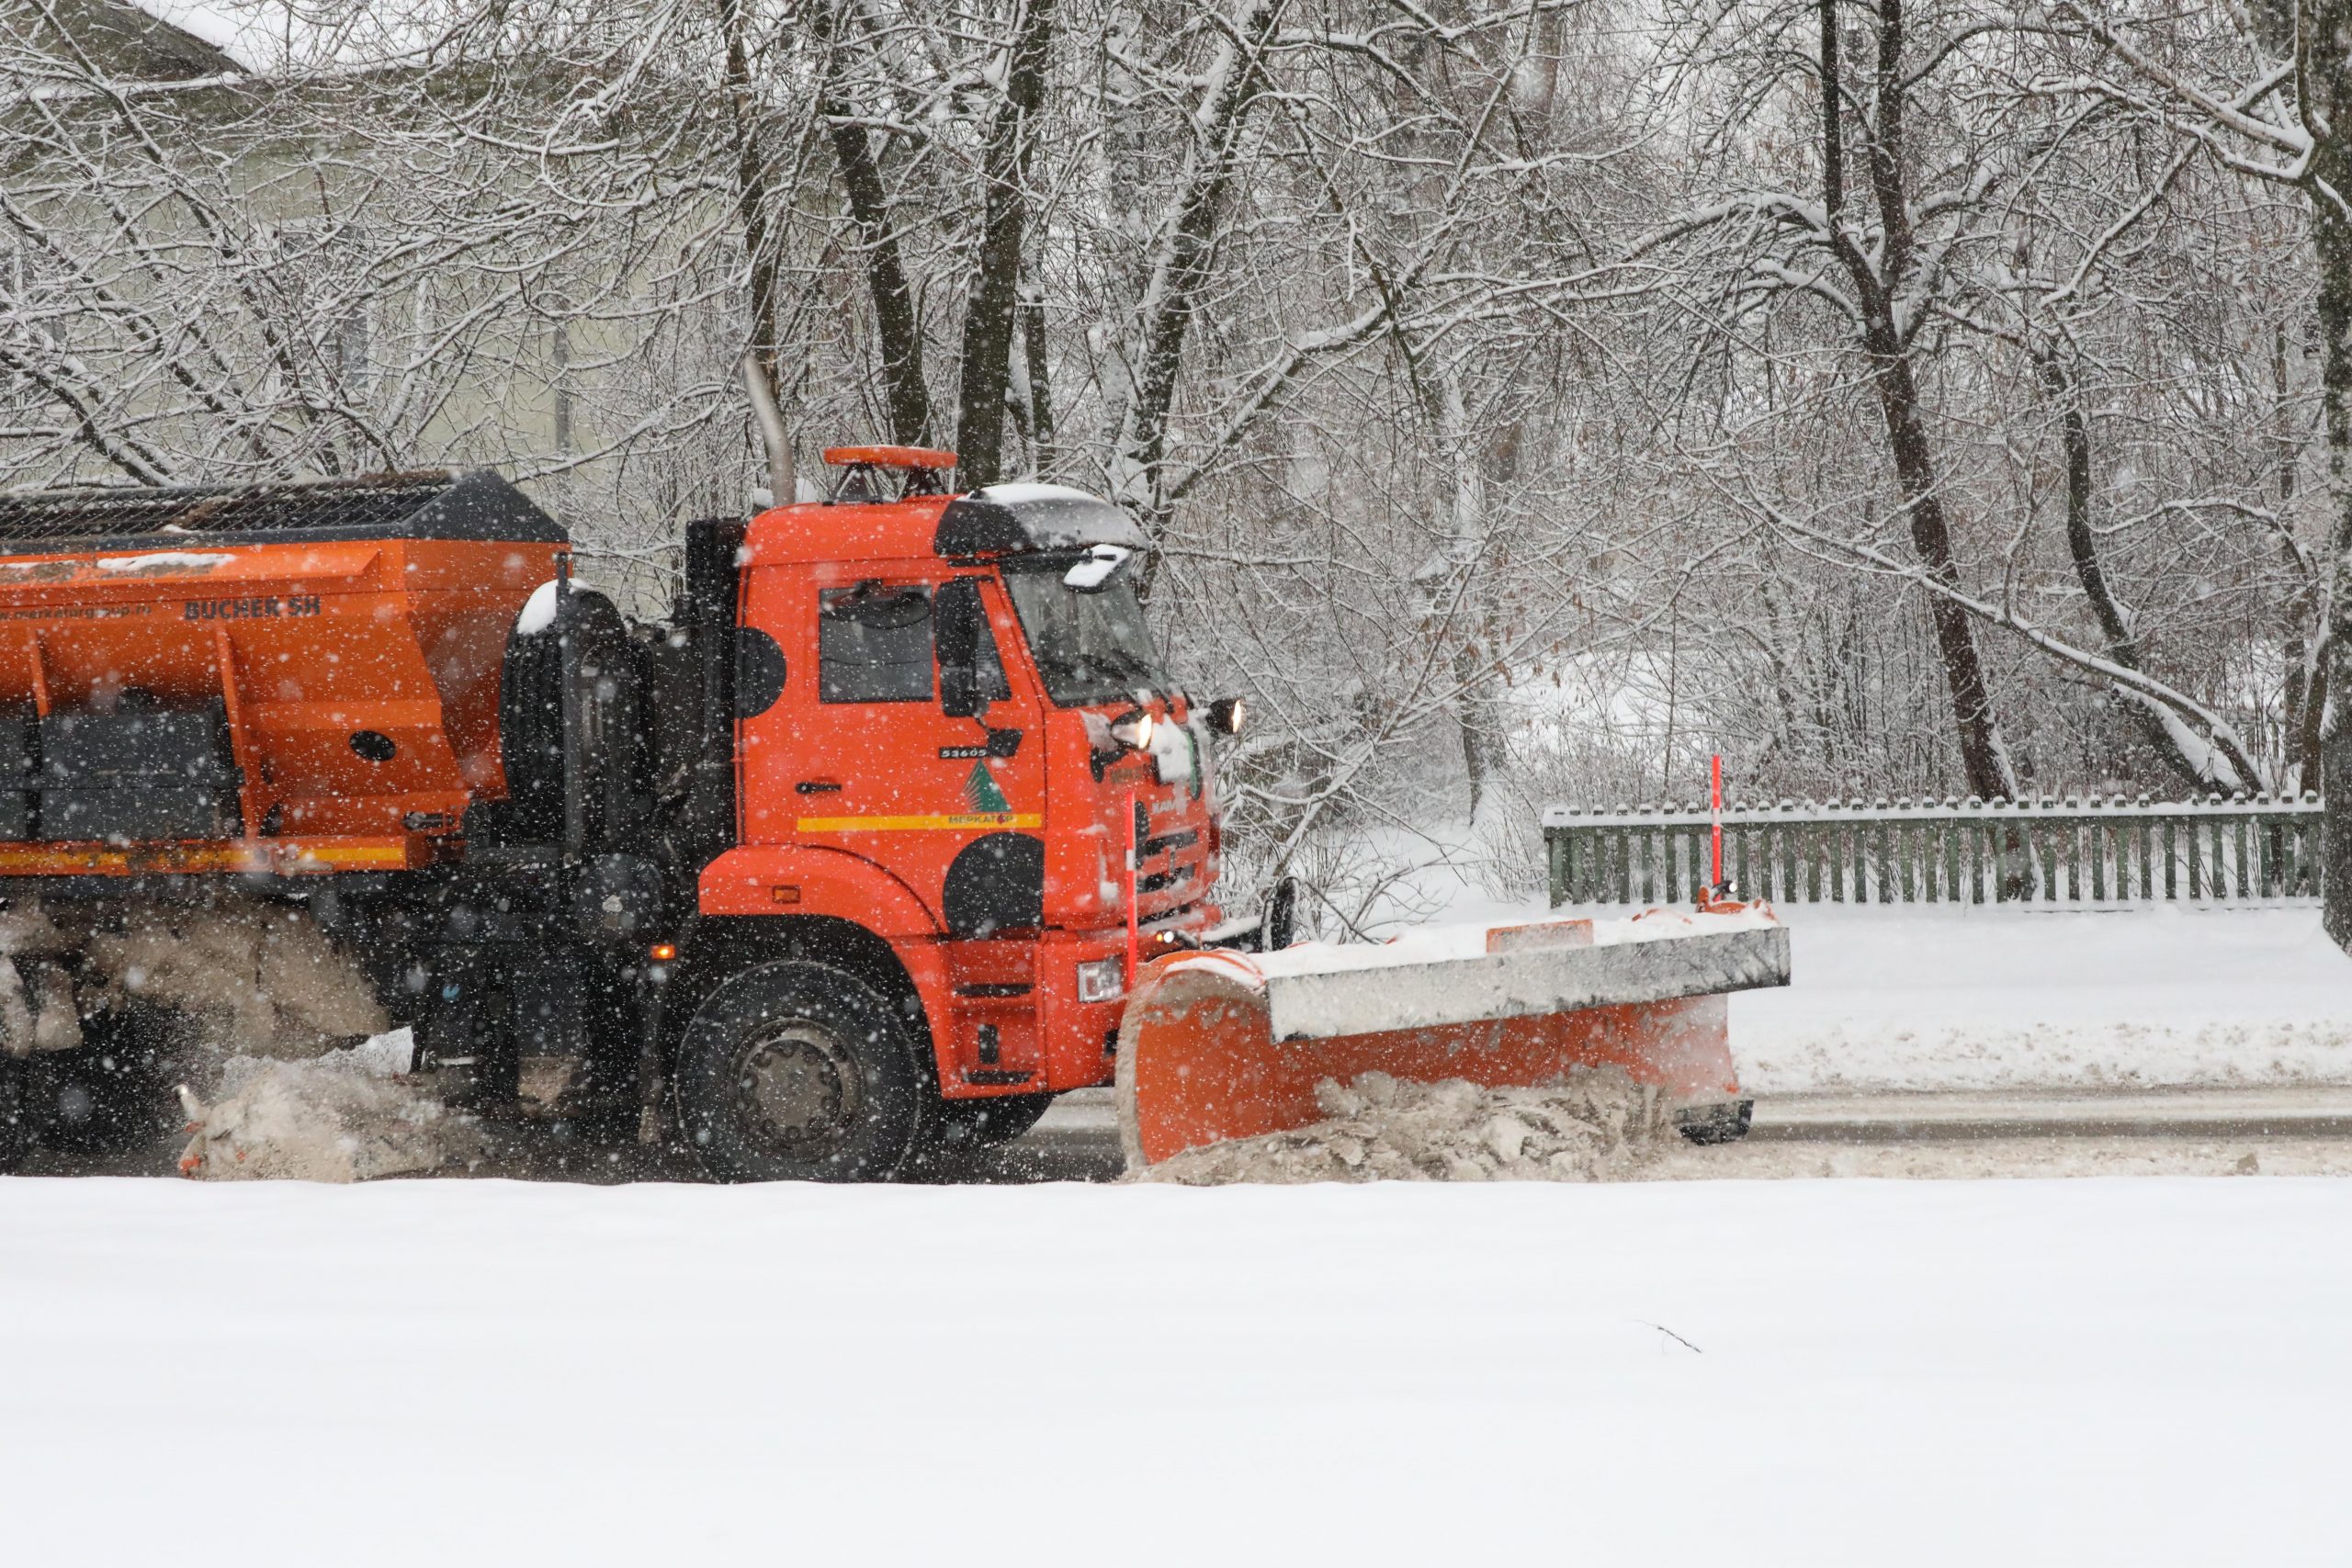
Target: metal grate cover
[[433, 503]]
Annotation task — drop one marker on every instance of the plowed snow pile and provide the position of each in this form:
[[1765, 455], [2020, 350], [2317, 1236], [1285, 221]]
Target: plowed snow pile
[[1599, 1126], [347, 1116]]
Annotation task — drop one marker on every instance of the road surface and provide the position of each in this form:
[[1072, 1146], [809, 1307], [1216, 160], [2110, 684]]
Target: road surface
[[2299, 1131]]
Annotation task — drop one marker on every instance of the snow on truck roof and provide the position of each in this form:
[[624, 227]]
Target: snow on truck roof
[[1008, 519]]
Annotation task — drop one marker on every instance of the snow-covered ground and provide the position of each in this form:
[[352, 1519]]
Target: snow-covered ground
[[1971, 997], [1788, 1372], [1978, 999]]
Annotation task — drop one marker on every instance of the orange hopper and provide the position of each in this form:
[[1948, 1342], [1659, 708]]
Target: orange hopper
[[287, 679]]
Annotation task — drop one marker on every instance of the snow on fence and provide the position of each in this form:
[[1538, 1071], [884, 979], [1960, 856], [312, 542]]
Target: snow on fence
[[2048, 850]]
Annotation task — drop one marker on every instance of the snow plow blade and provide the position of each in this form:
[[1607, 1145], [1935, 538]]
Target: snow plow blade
[[1216, 1046]]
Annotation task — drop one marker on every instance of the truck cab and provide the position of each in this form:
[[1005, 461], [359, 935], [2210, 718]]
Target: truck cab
[[961, 773]]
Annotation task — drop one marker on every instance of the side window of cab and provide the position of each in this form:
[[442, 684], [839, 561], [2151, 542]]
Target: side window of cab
[[874, 643]]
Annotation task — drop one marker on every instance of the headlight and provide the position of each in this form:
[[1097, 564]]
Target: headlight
[[1225, 716], [1134, 732], [1102, 980]]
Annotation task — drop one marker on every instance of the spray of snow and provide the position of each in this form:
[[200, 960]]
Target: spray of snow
[[1599, 1126], [261, 980], [347, 1116]]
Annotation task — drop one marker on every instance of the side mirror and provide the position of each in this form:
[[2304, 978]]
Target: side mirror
[[958, 622]]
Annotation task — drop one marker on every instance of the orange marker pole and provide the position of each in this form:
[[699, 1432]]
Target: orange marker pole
[[1135, 853], [1716, 804]]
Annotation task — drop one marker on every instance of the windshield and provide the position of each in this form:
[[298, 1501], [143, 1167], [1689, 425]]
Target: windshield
[[1090, 645]]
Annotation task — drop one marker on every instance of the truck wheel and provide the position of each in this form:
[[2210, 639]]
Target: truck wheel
[[113, 1096], [797, 1072], [970, 1123], [16, 1116]]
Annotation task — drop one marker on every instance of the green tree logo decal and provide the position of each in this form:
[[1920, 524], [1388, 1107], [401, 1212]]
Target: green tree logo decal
[[981, 793]]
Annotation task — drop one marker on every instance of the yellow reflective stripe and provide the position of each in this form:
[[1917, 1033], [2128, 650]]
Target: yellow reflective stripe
[[355, 854], [919, 824], [24, 860]]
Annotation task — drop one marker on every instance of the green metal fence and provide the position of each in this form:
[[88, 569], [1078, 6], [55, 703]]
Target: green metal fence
[[2070, 850]]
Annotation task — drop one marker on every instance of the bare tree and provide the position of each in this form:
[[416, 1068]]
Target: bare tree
[[2268, 91]]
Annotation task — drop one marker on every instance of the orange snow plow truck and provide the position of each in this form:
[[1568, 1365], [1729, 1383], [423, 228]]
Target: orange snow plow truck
[[894, 830]]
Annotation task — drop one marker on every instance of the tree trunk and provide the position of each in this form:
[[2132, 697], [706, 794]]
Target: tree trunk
[[1983, 758], [897, 325], [2121, 643], [989, 313], [2332, 232], [1041, 394], [2300, 628], [1181, 260]]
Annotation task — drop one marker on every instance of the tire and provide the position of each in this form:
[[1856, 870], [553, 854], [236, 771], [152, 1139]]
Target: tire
[[113, 1095], [795, 1071], [16, 1117], [977, 1124]]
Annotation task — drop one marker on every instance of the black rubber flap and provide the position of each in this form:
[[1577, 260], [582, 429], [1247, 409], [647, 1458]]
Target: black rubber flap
[[137, 773]]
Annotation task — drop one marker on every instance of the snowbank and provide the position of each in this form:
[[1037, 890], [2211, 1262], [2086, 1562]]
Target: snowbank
[[1988, 998], [2142, 1371], [1969, 997]]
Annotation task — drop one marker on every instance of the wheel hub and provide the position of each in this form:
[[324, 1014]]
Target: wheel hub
[[800, 1088]]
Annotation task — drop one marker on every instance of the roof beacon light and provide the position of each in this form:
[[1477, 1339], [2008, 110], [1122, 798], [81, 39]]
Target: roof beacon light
[[890, 457]]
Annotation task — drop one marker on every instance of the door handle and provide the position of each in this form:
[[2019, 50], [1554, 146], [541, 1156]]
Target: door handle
[[819, 786]]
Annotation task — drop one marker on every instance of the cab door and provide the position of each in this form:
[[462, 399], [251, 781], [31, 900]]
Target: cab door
[[953, 804]]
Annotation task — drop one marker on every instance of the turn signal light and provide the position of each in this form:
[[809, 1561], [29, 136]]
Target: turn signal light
[[663, 951]]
